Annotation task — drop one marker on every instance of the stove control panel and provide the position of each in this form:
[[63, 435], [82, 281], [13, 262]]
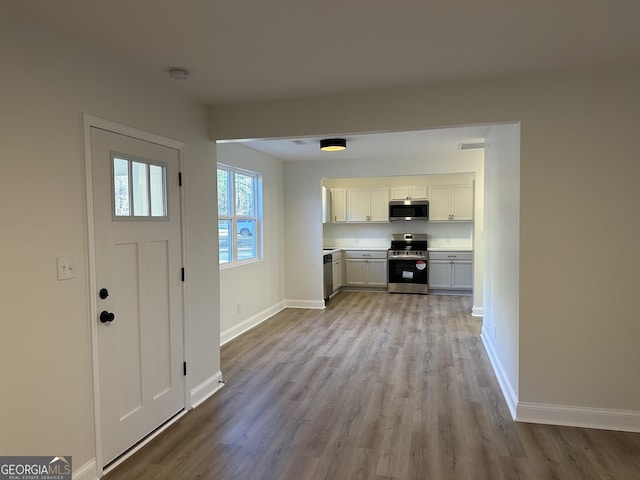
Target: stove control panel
[[408, 254]]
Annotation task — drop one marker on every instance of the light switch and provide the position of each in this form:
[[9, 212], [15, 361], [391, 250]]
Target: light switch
[[65, 268]]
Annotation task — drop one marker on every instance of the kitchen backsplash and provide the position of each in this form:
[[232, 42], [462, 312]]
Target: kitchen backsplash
[[378, 235]]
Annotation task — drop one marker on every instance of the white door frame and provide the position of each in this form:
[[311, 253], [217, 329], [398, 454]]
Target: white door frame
[[89, 122]]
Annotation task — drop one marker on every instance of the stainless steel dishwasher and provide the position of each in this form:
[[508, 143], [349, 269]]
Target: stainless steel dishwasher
[[327, 272]]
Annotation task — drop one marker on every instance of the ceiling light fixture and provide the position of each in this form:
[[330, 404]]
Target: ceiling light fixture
[[178, 73], [333, 144]]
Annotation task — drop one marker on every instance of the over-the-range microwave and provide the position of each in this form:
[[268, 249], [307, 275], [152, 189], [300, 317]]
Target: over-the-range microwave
[[404, 210]]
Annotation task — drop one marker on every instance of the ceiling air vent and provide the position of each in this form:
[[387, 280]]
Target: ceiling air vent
[[470, 146], [299, 142]]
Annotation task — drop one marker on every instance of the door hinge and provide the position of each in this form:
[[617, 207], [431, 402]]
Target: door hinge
[[182, 274], [179, 179], [184, 368]]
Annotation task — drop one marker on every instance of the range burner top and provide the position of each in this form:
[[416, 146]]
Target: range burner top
[[409, 241], [408, 246]]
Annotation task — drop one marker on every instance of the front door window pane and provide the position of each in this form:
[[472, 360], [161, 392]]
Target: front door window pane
[[140, 189], [156, 184], [121, 193]]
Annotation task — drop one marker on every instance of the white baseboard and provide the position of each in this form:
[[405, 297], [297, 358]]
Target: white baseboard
[[207, 388], [508, 392], [477, 311], [312, 304], [250, 322], [86, 472], [601, 418]]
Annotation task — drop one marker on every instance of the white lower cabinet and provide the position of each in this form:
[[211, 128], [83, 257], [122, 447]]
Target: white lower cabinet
[[366, 268], [450, 270], [337, 270]]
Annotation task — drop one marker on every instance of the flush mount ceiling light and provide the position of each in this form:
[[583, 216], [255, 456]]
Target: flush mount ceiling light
[[333, 144], [178, 73]]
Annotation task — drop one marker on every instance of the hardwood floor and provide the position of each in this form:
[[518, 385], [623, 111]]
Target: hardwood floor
[[376, 386]]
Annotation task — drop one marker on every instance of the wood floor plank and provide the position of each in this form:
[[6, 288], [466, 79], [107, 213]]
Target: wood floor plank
[[377, 386]]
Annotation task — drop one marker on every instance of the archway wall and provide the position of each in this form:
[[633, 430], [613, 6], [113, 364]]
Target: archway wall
[[571, 342]]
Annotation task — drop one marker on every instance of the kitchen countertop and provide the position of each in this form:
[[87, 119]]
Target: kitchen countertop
[[326, 251]]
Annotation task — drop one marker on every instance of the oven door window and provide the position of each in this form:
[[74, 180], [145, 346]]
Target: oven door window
[[408, 271]]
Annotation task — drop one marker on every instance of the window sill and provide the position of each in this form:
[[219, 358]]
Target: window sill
[[239, 263]]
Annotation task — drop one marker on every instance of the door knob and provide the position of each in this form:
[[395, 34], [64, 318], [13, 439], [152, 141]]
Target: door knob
[[107, 317]]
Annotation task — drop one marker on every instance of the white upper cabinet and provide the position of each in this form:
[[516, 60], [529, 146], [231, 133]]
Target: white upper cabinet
[[367, 205], [338, 205], [451, 203], [406, 193], [379, 205]]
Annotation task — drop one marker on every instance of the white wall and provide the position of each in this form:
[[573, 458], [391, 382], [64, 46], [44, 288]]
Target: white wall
[[577, 313], [45, 351], [258, 287], [500, 329]]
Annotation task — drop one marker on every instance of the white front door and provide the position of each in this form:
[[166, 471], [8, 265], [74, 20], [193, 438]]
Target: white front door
[[136, 207]]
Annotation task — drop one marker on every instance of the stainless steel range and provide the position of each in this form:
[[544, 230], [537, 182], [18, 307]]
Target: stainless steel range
[[407, 261]]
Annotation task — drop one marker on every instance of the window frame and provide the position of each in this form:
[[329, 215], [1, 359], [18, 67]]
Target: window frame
[[148, 163], [234, 218]]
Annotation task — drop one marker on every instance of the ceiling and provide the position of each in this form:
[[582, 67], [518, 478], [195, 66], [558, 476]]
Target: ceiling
[[421, 143], [254, 50]]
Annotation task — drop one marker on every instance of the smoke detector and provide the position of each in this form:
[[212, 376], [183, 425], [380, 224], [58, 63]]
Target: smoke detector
[[178, 73]]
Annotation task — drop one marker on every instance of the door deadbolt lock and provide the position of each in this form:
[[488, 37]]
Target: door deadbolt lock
[[107, 317], [103, 293]]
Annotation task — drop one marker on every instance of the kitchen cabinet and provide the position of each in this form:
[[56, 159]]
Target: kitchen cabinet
[[406, 193], [367, 205], [337, 270], [366, 268], [451, 203], [326, 205], [450, 270], [338, 205]]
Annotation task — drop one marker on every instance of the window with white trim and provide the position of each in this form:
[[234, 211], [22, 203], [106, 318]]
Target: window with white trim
[[139, 188], [239, 226]]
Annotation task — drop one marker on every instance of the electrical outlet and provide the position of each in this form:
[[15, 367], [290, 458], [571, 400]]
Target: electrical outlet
[[65, 268]]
